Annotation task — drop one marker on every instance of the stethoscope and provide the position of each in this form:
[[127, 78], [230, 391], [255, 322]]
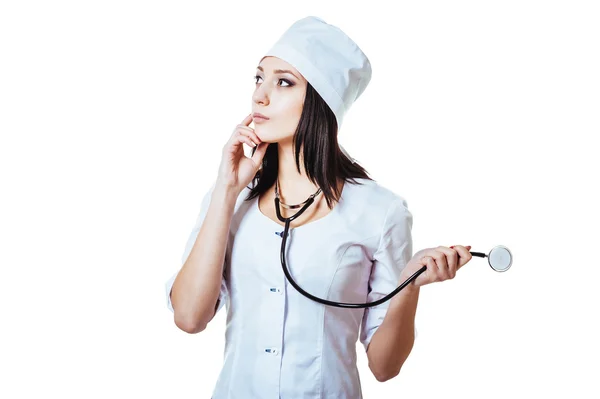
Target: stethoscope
[[499, 259]]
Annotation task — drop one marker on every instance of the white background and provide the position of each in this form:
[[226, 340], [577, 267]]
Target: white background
[[113, 115]]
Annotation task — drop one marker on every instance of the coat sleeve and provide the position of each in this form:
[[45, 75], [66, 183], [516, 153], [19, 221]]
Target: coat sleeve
[[188, 249], [392, 256]]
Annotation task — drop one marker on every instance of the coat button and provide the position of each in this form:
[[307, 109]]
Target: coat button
[[271, 350]]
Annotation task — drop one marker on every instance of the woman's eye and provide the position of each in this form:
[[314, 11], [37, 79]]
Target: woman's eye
[[289, 84]]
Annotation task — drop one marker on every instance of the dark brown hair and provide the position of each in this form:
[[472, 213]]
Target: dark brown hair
[[324, 162]]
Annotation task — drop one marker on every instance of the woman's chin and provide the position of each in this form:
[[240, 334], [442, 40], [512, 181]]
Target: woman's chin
[[262, 133]]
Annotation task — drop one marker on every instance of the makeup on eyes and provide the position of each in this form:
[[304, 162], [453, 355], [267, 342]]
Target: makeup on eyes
[[290, 84]]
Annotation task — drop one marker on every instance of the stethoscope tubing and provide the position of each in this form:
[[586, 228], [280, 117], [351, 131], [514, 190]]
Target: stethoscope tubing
[[325, 301]]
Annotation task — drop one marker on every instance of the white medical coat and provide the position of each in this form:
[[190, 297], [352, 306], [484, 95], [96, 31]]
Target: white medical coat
[[280, 344]]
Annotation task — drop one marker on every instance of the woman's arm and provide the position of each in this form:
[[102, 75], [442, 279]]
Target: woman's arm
[[394, 339], [392, 342], [196, 289]]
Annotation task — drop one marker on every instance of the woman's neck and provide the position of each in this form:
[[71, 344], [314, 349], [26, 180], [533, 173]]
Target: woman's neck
[[293, 187]]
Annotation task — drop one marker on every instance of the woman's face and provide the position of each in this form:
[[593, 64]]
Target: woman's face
[[280, 97]]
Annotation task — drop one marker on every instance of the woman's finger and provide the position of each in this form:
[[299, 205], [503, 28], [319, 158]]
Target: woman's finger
[[430, 274], [245, 139], [259, 153], [451, 260], [464, 254], [442, 264], [250, 133], [247, 120]]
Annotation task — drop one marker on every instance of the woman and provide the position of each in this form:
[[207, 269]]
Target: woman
[[353, 244]]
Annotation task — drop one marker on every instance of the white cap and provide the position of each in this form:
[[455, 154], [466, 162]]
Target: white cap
[[329, 60]]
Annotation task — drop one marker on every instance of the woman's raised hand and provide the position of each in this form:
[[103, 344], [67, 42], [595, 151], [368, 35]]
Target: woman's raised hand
[[442, 264], [237, 170]]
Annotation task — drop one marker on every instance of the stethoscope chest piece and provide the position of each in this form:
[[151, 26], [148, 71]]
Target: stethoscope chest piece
[[500, 258]]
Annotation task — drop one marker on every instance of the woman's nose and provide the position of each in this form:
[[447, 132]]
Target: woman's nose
[[260, 97]]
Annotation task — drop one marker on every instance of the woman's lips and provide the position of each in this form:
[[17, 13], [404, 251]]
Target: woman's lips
[[260, 119]]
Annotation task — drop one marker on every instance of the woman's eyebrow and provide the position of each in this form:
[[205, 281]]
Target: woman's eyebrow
[[280, 71]]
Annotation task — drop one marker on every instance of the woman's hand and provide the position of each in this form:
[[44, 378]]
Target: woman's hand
[[442, 264], [237, 170]]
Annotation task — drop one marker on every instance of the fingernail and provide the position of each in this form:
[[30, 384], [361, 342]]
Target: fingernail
[[468, 246], [452, 246]]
